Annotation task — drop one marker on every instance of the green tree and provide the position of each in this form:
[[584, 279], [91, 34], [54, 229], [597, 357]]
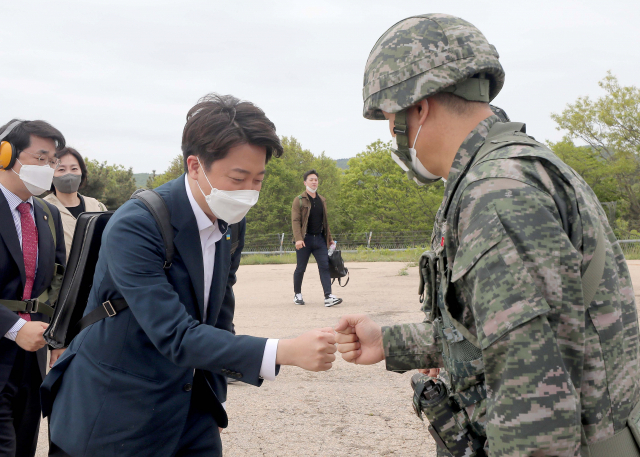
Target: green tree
[[610, 125], [376, 195], [110, 184], [284, 181], [175, 170]]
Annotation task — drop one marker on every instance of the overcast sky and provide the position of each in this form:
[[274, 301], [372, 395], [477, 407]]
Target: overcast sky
[[118, 77]]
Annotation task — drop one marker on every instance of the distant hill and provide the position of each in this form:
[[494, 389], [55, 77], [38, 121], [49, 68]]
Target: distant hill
[[141, 179], [342, 163]]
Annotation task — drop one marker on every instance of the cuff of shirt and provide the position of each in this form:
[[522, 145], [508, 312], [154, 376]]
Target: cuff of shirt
[[13, 331], [268, 368]]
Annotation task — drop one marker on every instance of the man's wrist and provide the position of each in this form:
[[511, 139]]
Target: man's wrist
[[283, 354], [12, 334]]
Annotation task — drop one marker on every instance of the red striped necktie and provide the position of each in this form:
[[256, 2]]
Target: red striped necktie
[[29, 251]]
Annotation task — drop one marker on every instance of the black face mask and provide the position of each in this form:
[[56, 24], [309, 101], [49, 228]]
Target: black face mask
[[67, 184]]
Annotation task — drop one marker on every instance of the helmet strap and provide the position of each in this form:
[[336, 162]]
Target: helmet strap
[[402, 138], [472, 89]]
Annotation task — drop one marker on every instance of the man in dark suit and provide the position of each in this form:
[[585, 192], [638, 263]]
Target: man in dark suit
[[150, 381], [28, 254]]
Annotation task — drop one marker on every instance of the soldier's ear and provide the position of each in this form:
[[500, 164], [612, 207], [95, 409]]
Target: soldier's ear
[[423, 110]]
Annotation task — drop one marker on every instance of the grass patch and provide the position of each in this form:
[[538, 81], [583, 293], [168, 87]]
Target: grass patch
[[363, 255], [631, 250]]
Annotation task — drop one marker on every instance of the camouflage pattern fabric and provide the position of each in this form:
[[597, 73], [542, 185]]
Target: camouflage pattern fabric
[[519, 229], [422, 55]]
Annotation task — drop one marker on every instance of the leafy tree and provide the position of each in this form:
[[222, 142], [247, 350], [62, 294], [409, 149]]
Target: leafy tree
[[175, 170], [594, 169], [284, 181], [610, 125], [111, 184], [376, 195]]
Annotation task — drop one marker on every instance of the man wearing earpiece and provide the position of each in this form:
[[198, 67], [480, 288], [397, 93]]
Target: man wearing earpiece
[[28, 254]]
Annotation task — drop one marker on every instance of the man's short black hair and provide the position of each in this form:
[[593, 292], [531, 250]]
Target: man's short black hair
[[217, 123], [310, 172], [20, 136]]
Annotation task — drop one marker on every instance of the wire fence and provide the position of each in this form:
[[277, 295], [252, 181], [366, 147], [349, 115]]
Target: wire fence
[[280, 243]]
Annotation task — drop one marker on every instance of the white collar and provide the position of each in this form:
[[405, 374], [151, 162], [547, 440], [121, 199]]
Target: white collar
[[201, 218], [13, 200]]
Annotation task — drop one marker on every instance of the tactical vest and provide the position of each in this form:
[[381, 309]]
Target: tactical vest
[[461, 351]]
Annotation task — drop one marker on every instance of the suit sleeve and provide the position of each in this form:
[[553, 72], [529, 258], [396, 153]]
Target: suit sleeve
[[514, 259], [135, 257]]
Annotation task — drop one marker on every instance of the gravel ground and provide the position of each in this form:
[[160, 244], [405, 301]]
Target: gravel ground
[[348, 411]]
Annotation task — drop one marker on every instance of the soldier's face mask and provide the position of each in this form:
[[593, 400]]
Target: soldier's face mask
[[416, 166]]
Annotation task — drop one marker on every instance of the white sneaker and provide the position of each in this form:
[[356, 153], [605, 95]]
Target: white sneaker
[[332, 300], [297, 299]]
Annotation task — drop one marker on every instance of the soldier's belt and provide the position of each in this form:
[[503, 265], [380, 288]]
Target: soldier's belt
[[449, 424], [34, 305]]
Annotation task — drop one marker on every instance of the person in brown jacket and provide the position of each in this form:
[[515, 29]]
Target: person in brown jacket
[[311, 232]]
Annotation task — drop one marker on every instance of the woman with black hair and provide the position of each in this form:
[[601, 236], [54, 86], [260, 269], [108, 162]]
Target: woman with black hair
[[70, 176]]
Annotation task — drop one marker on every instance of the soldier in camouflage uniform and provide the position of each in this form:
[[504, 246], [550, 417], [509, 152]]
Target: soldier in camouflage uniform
[[531, 313]]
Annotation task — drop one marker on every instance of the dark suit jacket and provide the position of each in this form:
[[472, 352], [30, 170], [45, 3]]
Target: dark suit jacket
[[123, 386], [13, 278]]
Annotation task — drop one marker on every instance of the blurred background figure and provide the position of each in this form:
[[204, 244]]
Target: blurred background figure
[[310, 225], [70, 176]]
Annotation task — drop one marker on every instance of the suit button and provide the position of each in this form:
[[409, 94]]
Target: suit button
[[187, 387]]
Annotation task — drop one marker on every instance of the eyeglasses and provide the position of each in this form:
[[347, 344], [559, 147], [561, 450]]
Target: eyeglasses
[[53, 162]]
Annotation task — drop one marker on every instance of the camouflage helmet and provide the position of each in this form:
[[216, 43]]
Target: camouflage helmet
[[426, 54]]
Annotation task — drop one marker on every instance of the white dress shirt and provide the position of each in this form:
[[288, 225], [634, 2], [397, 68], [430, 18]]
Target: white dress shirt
[[13, 200], [209, 236]]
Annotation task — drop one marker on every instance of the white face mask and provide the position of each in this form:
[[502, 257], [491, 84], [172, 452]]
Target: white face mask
[[313, 191], [37, 178], [229, 205]]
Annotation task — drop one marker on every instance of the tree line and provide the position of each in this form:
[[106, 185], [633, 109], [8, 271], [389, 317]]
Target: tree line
[[373, 194]]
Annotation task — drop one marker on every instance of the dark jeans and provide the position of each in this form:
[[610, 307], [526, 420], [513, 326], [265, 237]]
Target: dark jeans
[[316, 245]]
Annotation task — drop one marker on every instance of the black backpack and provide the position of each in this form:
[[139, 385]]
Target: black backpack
[[337, 268], [68, 318]]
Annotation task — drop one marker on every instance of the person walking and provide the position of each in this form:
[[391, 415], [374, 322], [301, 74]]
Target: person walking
[[529, 303], [70, 176], [310, 226]]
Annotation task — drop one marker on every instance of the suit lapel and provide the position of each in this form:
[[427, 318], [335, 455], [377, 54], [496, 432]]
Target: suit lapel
[[187, 239], [46, 249], [10, 236]]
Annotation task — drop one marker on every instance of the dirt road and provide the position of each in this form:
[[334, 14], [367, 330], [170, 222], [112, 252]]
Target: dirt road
[[348, 411]]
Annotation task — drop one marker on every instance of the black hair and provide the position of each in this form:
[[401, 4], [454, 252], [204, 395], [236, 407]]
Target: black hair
[[310, 172], [20, 136], [219, 122]]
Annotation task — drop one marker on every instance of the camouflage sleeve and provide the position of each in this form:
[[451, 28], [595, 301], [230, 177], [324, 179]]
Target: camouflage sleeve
[[411, 346], [520, 274]]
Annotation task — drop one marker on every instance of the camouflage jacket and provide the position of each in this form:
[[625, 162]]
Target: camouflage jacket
[[519, 231]]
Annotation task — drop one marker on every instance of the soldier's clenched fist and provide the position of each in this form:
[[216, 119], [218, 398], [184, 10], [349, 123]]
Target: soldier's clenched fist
[[359, 339], [313, 351]]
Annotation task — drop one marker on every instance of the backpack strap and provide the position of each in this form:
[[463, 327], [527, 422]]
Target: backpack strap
[[158, 209], [38, 305], [235, 237], [52, 225]]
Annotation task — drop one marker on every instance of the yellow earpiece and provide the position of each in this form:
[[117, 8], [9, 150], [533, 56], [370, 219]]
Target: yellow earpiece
[[8, 153]]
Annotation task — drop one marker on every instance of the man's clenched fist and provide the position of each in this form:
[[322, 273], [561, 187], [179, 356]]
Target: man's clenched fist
[[30, 336], [313, 351]]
